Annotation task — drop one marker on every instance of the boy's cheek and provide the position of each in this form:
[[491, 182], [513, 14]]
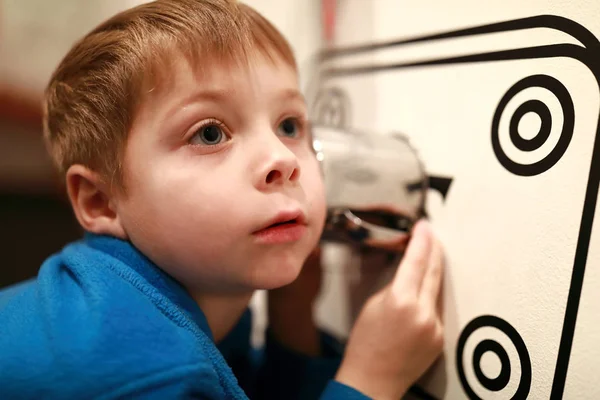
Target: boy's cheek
[[315, 191], [312, 181]]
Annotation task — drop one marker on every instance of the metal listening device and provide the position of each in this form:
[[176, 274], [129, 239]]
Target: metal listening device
[[376, 187]]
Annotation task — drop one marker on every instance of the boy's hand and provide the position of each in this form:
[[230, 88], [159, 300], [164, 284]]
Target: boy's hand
[[291, 309], [399, 332]]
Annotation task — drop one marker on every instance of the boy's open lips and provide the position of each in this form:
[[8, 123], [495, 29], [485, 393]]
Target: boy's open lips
[[284, 228]]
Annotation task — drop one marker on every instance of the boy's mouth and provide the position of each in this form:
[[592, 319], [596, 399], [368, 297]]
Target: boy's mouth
[[285, 218], [291, 221], [287, 226]]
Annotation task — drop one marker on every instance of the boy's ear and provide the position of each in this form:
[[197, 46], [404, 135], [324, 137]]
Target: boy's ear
[[93, 202]]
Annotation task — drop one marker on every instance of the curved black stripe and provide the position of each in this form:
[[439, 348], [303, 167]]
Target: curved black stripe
[[548, 51], [562, 24]]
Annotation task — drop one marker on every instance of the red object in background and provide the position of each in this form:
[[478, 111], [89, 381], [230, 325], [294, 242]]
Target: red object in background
[[19, 107], [328, 8]]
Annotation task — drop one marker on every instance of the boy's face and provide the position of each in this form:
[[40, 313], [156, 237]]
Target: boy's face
[[211, 160]]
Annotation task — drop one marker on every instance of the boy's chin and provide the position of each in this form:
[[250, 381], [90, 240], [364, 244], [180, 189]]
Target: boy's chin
[[282, 275]]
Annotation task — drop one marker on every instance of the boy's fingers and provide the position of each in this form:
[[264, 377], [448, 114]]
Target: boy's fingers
[[432, 281], [414, 264]]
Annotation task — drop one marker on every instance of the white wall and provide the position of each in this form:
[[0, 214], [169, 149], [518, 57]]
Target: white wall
[[36, 34], [511, 240]]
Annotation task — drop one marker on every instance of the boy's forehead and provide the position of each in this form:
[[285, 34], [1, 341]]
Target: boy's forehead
[[180, 72], [180, 80]]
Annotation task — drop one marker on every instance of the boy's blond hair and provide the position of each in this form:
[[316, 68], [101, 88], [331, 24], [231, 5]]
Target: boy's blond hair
[[93, 95]]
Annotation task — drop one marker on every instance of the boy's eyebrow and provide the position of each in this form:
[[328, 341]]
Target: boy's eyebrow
[[221, 95], [215, 95], [291, 94]]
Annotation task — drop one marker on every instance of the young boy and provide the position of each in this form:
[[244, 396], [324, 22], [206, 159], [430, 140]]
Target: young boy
[[182, 136]]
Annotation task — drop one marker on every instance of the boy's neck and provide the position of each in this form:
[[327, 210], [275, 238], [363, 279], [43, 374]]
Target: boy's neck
[[222, 312]]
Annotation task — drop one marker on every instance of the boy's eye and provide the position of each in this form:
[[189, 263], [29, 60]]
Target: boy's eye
[[289, 128], [211, 135]]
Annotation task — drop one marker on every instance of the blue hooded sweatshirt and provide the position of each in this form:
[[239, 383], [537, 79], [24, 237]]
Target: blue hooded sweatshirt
[[101, 321]]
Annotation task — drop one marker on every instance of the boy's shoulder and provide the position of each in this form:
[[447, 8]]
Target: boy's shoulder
[[94, 325]]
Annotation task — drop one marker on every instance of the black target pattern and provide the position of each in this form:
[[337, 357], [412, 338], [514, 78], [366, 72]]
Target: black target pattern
[[499, 383], [543, 112]]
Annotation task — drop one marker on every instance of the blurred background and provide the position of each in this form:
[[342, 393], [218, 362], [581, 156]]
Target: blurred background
[[35, 219]]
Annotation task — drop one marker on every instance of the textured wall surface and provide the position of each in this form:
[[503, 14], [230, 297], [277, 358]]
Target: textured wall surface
[[509, 113]]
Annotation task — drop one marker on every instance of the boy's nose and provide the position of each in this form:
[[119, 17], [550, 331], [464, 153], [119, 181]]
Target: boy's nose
[[280, 167], [283, 174]]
